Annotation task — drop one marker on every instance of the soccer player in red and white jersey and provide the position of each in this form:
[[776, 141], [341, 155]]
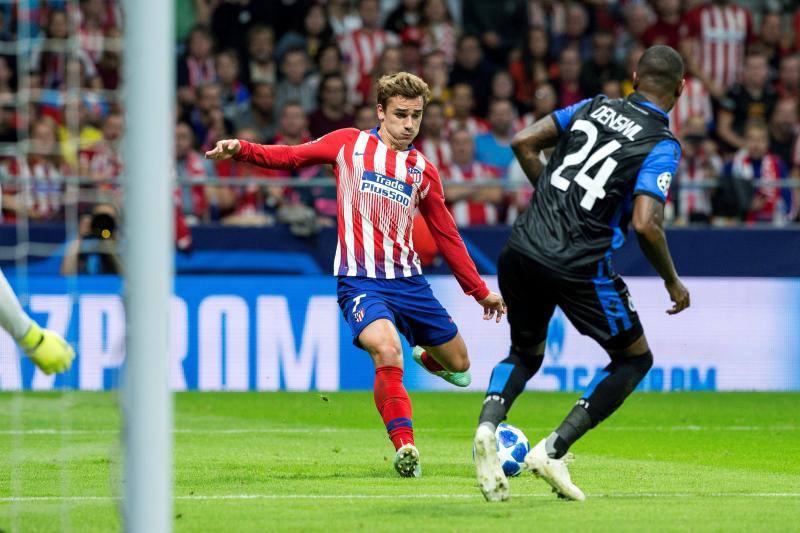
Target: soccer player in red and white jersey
[[381, 180], [713, 39]]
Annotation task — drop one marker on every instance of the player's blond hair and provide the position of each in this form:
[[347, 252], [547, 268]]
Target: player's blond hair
[[402, 84]]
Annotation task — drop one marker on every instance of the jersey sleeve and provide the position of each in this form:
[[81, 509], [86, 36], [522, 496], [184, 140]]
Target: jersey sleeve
[[320, 151], [448, 241], [564, 115], [658, 169]]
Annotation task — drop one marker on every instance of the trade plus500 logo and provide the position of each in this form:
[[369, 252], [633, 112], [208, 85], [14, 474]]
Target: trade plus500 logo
[[393, 189]]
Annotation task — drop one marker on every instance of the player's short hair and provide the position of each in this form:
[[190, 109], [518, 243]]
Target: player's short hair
[[402, 84], [660, 67]]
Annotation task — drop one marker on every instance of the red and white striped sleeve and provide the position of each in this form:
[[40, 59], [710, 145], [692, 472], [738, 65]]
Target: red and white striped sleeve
[[318, 152]]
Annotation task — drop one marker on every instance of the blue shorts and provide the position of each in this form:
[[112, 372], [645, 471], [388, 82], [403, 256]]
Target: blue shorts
[[408, 302]]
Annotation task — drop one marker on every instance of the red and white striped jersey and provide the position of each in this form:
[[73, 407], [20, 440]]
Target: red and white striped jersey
[[438, 152], [692, 170], [378, 190], [41, 190], [361, 50], [721, 33], [469, 213], [695, 101]]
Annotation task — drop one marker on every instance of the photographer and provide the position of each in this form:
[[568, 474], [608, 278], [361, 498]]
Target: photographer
[[95, 249]]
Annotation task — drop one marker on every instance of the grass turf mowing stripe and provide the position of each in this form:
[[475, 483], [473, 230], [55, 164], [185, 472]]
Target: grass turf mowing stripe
[[410, 496]]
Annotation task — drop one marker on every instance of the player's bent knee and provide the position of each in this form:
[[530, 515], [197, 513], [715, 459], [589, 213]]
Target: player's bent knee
[[387, 354]]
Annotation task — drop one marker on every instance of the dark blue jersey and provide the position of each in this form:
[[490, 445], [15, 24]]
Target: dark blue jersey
[[608, 152]]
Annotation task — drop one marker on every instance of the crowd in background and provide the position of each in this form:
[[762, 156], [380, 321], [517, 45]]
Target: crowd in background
[[288, 71]]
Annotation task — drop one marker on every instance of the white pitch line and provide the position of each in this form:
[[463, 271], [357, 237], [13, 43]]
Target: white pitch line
[[476, 496], [239, 431]]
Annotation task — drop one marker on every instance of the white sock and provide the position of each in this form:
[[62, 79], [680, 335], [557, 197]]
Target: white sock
[[12, 318]]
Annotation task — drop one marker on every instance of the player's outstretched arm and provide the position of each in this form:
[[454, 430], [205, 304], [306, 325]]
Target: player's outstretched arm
[[648, 222], [528, 144], [320, 151]]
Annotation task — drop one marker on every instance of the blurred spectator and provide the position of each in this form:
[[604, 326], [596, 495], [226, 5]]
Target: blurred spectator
[[235, 96], [261, 65], [713, 38], [196, 66], [293, 130], [109, 67], [502, 87], [389, 62], [700, 162], [231, 21], [434, 72], [499, 25], [98, 19], [407, 14], [630, 66], [342, 18], [746, 175], [574, 35], [494, 147], [473, 69], [296, 85], [601, 67], [439, 33], [102, 161], [244, 205], [260, 115], [329, 60], [432, 141], [665, 30], [190, 165], [8, 124], [332, 113], [638, 17], [95, 250], [50, 57], [754, 98], [773, 41], [694, 101], [789, 77], [206, 118], [783, 129], [37, 191], [532, 69], [362, 47], [462, 117], [470, 206], [567, 84], [7, 83], [314, 34], [411, 50], [189, 13], [365, 118]]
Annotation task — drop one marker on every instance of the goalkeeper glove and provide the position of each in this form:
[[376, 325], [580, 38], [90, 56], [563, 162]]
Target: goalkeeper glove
[[47, 349]]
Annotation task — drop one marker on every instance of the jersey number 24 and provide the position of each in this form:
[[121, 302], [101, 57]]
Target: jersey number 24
[[592, 185]]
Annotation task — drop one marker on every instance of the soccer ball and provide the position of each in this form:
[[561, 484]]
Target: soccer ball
[[512, 446]]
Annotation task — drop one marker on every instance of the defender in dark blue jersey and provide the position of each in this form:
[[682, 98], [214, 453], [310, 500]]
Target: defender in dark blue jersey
[[612, 164]]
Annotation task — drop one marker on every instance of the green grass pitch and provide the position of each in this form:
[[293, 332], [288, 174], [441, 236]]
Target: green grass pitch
[[322, 462]]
